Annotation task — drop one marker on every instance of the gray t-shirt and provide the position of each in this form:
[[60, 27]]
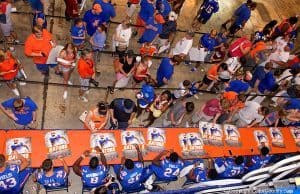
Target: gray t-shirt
[[178, 110]]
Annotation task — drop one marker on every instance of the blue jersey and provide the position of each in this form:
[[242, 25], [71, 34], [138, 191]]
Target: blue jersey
[[200, 174], [9, 180], [257, 162], [208, 8], [168, 171], [259, 36], [227, 168], [131, 179], [94, 177], [129, 138], [58, 179]]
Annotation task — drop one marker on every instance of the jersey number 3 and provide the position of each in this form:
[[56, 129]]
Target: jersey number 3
[[8, 183]]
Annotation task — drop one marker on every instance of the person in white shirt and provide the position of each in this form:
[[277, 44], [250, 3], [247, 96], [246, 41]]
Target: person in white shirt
[[183, 89], [121, 37], [183, 46], [250, 115]]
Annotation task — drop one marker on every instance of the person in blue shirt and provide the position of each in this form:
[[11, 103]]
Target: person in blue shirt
[[50, 177], [230, 167], [163, 7], [39, 18], [268, 84], [200, 173], [13, 177], [241, 16], [207, 9], [152, 29], [132, 175], [165, 71], [93, 18], [78, 33], [37, 5], [21, 110], [144, 98], [240, 85], [259, 161], [95, 174], [168, 168], [98, 43], [259, 74], [147, 10], [108, 10]]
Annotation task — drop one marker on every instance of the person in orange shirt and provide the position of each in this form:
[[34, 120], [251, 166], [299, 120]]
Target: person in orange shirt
[[148, 49], [9, 68], [212, 75], [86, 70], [38, 46], [97, 118]]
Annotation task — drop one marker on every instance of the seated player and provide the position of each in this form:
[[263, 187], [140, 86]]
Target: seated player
[[230, 167], [51, 177], [201, 174], [13, 177], [169, 168], [132, 174], [95, 174], [259, 161]]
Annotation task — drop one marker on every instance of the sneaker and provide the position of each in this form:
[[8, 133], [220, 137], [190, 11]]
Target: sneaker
[[193, 69], [65, 95], [84, 99], [187, 125], [22, 83], [70, 83]]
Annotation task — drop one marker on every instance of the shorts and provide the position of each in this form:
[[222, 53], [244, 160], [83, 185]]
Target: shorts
[[44, 68], [206, 81], [201, 117], [137, 81], [6, 29], [65, 69], [202, 20], [84, 83]]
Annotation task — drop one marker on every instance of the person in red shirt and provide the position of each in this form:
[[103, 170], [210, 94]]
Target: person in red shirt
[[9, 68], [38, 46], [86, 70]]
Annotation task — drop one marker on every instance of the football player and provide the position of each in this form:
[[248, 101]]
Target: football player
[[259, 161], [207, 9], [201, 174], [230, 167], [156, 136], [13, 177], [105, 142], [56, 139], [51, 177], [130, 138], [132, 174], [19, 147], [169, 168], [95, 174]]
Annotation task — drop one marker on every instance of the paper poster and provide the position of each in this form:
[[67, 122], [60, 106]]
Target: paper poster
[[296, 135], [191, 144], [156, 139], [232, 135], [129, 139], [21, 145], [204, 132], [261, 139], [197, 54], [277, 137], [215, 134], [57, 143], [107, 143]]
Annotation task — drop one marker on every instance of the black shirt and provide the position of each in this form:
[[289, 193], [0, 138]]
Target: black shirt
[[167, 29], [126, 66]]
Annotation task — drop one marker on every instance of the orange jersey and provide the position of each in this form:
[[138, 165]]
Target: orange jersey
[[85, 68], [34, 45], [147, 51], [212, 72]]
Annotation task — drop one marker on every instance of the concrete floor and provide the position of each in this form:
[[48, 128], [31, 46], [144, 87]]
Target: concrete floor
[[56, 118]]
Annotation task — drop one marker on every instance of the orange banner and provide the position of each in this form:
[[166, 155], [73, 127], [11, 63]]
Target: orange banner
[[188, 142]]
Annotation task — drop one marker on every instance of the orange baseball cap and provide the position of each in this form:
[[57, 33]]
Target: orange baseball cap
[[159, 18], [97, 7]]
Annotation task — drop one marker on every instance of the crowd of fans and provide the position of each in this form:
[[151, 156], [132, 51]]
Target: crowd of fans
[[255, 79]]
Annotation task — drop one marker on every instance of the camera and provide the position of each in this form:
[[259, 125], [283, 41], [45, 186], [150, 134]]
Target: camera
[[94, 82]]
